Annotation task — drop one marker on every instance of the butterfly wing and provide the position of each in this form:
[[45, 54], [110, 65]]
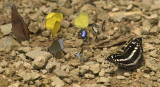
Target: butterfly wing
[[81, 20], [56, 46], [19, 28], [132, 57]]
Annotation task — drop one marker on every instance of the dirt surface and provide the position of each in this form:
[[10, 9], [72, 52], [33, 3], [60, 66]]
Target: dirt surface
[[29, 64]]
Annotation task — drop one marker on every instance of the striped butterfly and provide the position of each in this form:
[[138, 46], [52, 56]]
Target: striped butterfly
[[132, 56]]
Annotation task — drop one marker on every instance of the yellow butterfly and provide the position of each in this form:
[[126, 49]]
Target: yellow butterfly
[[81, 21], [53, 22]]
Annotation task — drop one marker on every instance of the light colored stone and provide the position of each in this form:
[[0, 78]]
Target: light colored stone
[[95, 68], [7, 44], [120, 77], [17, 84], [1, 70], [129, 7], [102, 72], [24, 49], [127, 74], [84, 69], [33, 27], [65, 23], [76, 85], [154, 30], [70, 50], [134, 17], [115, 9], [103, 80], [100, 3], [61, 73], [89, 76], [3, 64], [146, 26], [28, 75], [6, 29], [40, 58], [152, 64], [57, 82]]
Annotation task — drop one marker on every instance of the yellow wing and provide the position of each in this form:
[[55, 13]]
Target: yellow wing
[[53, 22], [81, 21]]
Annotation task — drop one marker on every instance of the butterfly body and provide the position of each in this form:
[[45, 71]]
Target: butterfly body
[[132, 56], [83, 34], [19, 28]]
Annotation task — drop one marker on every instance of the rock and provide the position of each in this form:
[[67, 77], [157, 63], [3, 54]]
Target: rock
[[17, 84], [127, 74], [154, 54], [75, 85], [46, 33], [34, 15], [89, 76], [9, 72], [153, 18], [104, 80], [38, 83], [18, 64], [102, 72], [44, 71], [146, 76], [152, 64], [137, 31], [27, 76], [87, 55], [3, 64], [76, 1], [67, 11], [120, 77], [51, 65], [101, 16], [146, 26], [99, 4], [84, 69], [24, 49], [40, 58], [65, 23], [118, 18], [1, 70], [6, 29], [129, 7], [115, 9], [7, 44], [134, 17], [61, 73], [45, 9], [67, 80], [25, 43], [22, 57], [70, 50], [27, 65], [99, 59], [78, 42], [57, 82], [95, 68], [33, 27], [154, 30]]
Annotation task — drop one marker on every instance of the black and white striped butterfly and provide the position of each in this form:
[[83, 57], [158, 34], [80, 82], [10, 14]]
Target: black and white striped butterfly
[[132, 56]]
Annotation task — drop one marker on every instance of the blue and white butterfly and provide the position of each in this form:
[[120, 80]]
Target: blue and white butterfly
[[132, 56]]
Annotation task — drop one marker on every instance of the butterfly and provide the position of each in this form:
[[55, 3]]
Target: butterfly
[[53, 22], [82, 21], [56, 48], [132, 56], [19, 28]]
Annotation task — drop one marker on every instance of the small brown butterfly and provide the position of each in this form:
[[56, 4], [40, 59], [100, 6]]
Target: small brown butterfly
[[19, 28]]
